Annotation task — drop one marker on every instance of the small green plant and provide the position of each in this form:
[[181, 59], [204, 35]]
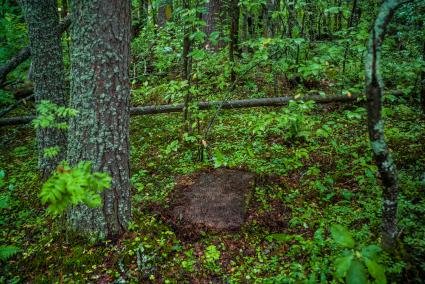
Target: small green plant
[[352, 261], [51, 115], [291, 124], [190, 261], [211, 256], [71, 186], [7, 252]]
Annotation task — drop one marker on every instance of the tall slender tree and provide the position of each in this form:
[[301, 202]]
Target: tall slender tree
[[47, 73], [234, 34], [100, 91], [384, 161]]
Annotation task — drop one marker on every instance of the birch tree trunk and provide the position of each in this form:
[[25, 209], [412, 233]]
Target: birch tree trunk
[[100, 91]]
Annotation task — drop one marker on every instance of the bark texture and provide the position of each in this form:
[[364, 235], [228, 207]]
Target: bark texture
[[100, 91], [383, 159], [164, 12], [234, 35], [211, 18], [48, 73]]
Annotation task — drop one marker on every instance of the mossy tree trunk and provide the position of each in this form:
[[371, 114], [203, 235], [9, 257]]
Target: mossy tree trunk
[[48, 73], [100, 91], [384, 161]]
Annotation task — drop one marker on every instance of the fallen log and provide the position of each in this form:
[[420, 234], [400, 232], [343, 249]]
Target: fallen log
[[15, 105], [234, 104], [25, 53]]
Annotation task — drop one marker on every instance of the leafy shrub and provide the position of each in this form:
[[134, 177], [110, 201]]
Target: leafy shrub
[[71, 186], [7, 252], [351, 263]]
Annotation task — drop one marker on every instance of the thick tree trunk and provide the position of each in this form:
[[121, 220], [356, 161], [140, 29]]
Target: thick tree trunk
[[383, 159], [100, 91], [48, 73]]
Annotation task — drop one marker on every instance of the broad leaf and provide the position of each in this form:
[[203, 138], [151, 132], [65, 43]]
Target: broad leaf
[[342, 264], [280, 237], [356, 274], [342, 236], [371, 251], [376, 270]]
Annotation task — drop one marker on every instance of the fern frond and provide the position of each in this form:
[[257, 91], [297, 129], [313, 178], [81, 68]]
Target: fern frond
[[7, 252]]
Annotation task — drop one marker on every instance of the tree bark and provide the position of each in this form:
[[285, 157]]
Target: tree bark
[[234, 34], [48, 74], [164, 13], [25, 53], [423, 80], [211, 18], [383, 159], [100, 91]]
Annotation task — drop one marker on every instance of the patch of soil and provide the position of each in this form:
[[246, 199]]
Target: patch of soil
[[215, 200]]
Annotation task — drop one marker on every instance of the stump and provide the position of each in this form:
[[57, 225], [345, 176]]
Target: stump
[[216, 200]]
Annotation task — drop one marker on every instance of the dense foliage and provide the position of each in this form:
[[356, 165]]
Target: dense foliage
[[315, 215]]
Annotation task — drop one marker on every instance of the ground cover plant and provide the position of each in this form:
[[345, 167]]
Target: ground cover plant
[[92, 165]]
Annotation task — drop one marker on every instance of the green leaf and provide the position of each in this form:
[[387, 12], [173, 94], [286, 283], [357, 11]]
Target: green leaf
[[342, 264], [342, 236], [280, 237], [376, 270], [4, 201], [7, 252], [371, 251], [356, 274]]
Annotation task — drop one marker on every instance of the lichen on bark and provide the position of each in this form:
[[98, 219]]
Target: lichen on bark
[[100, 91], [48, 74], [374, 89]]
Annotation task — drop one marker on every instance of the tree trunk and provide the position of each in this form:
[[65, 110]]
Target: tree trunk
[[48, 74], [383, 159], [234, 30], [100, 91], [423, 80], [164, 13], [211, 18], [347, 44], [187, 69]]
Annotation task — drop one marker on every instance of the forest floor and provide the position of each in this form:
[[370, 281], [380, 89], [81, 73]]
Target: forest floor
[[313, 168]]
